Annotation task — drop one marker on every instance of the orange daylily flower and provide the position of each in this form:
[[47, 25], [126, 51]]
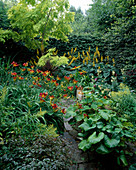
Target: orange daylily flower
[[25, 64], [54, 106], [75, 81], [65, 95], [67, 78], [70, 88], [14, 73], [51, 97], [63, 111], [43, 95], [14, 64]]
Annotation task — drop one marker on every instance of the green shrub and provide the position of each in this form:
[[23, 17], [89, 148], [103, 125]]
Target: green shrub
[[37, 152], [102, 130], [125, 103]]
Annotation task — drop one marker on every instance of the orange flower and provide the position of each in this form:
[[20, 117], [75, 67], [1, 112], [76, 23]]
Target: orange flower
[[54, 106], [31, 71], [42, 100], [54, 81], [14, 78], [48, 79], [44, 74], [14, 64], [38, 71], [47, 72], [14, 73], [23, 69], [51, 97], [75, 81], [20, 78], [85, 115], [70, 88], [56, 84], [25, 64], [58, 78], [65, 95], [105, 97], [32, 67], [67, 78], [43, 95], [39, 85], [63, 111], [34, 83]]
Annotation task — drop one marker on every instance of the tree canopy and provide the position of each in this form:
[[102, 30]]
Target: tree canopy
[[33, 22]]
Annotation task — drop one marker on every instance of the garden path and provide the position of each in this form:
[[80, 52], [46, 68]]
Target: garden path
[[82, 161]]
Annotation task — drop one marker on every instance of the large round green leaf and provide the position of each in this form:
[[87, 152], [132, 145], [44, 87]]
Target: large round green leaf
[[103, 149], [111, 143], [93, 139]]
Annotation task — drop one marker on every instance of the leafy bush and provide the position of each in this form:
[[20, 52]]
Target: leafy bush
[[38, 152], [51, 61], [125, 103], [130, 75], [102, 130]]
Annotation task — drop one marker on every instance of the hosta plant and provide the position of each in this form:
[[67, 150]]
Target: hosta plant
[[102, 130]]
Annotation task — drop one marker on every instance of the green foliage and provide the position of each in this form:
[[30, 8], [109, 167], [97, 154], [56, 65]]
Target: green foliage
[[130, 75], [79, 24], [125, 103], [40, 152], [37, 24], [52, 59], [4, 22], [102, 130]]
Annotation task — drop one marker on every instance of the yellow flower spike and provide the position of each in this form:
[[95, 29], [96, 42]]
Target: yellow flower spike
[[64, 54], [101, 58], [96, 49], [37, 57], [108, 58], [79, 55], [98, 54], [83, 52], [93, 64], [70, 57], [95, 54], [68, 53], [75, 49], [113, 60], [71, 50], [83, 61], [71, 61], [88, 55], [99, 68], [96, 60], [35, 62], [37, 52]]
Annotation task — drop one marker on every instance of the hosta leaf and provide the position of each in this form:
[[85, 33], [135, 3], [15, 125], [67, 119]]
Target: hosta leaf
[[94, 106], [79, 117], [111, 143], [104, 115], [123, 159], [85, 126], [99, 125], [84, 145], [93, 139], [103, 149]]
